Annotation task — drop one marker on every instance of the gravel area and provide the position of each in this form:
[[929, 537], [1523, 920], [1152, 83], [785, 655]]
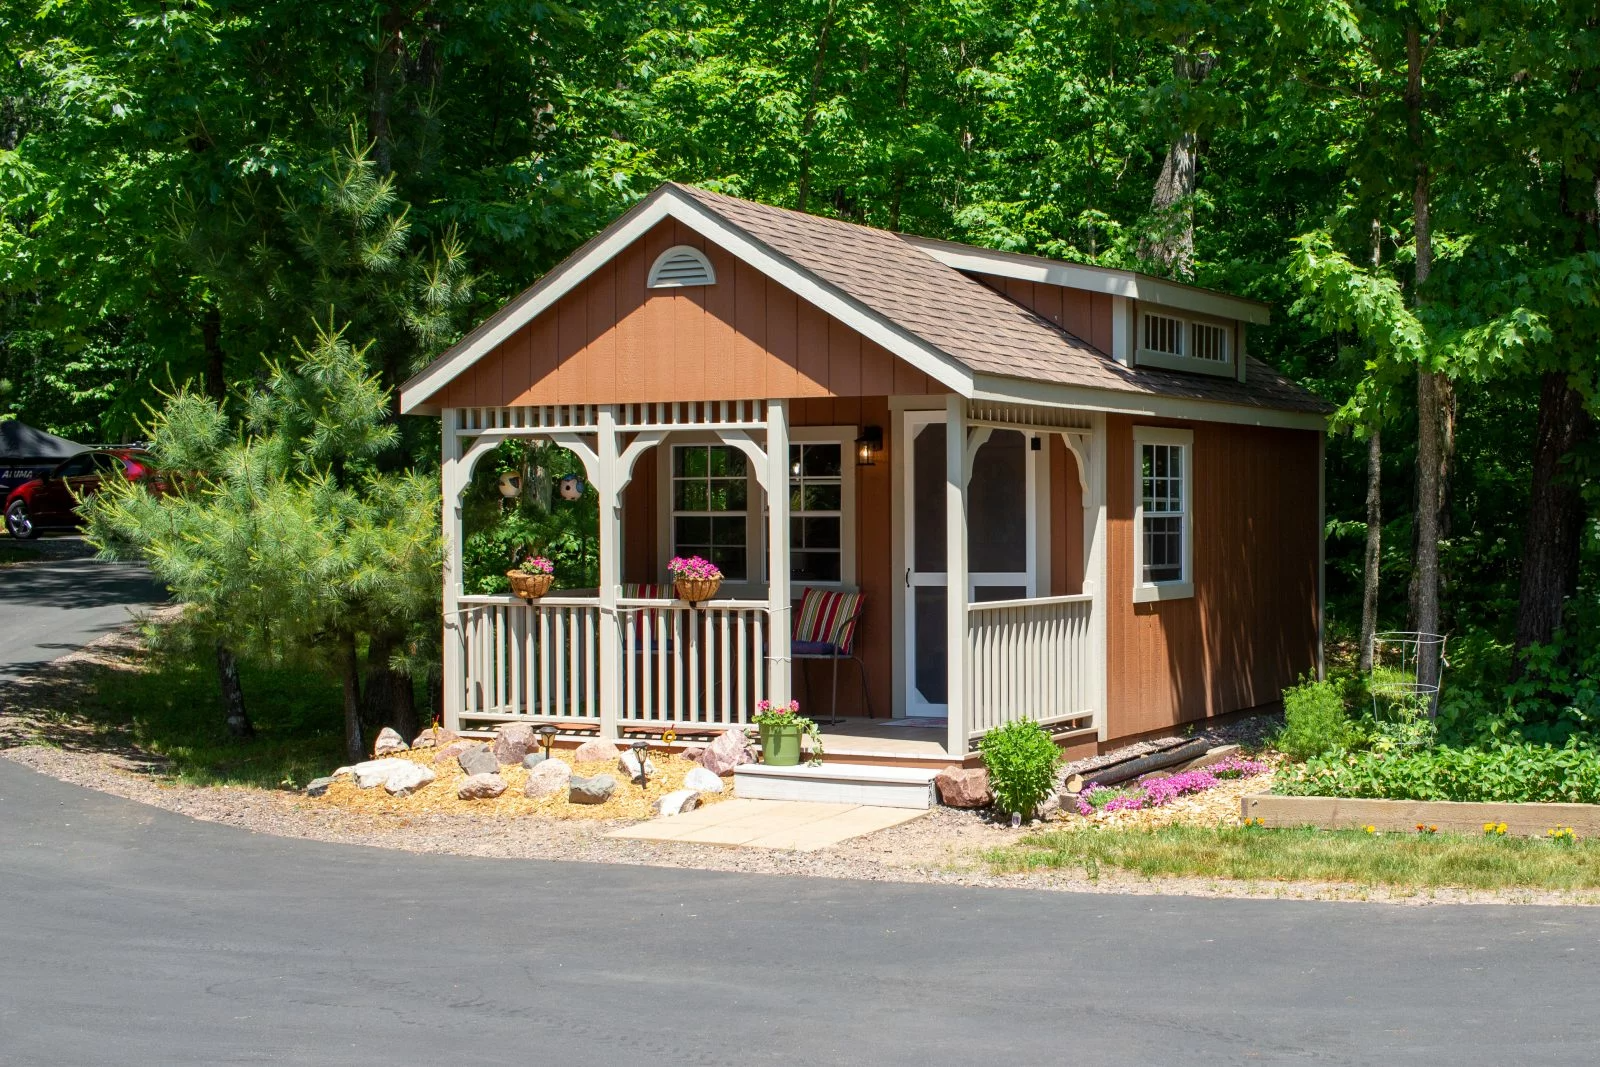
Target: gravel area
[[944, 847]]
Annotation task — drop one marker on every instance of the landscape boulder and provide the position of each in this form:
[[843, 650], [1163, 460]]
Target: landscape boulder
[[963, 787], [599, 750], [388, 742], [481, 787], [376, 772], [596, 790], [732, 749], [319, 786], [677, 802], [533, 759], [628, 763], [434, 737], [446, 753], [478, 759], [403, 781], [547, 778], [511, 743], [702, 781]]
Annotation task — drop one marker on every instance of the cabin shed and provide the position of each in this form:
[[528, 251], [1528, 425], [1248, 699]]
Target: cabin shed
[[1066, 493]]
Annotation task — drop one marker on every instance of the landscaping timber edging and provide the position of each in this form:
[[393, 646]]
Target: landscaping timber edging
[[1345, 813]]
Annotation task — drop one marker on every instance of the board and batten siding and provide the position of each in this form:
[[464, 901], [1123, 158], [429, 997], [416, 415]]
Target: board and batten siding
[[1085, 315], [612, 340], [1250, 629]]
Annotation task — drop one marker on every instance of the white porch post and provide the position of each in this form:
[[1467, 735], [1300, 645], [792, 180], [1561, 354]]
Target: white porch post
[[955, 541], [451, 481], [609, 487], [778, 635], [1095, 572]]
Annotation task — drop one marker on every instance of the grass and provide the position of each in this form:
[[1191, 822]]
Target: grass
[[1260, 854], [170, 705]]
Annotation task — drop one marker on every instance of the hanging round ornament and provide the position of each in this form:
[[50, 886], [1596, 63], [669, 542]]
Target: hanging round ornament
[[510, 485], [571, 487]]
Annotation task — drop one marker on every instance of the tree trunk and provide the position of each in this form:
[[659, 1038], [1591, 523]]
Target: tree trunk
[[387, 69], [1171, 205], [240, 728], [355, 748], [817, 65], [211, 338], [1434, 430], [388, 698], [1374, 551], [1554, 537]]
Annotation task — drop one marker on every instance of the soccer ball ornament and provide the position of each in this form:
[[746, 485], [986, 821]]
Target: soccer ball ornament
[[571, 487], [510, 484]]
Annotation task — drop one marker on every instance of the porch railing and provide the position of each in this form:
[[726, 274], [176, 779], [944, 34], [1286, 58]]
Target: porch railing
[[1029, 659], [525, 660], [692, 666]]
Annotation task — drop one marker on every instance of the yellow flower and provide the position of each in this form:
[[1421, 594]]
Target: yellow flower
[[1371, 829]]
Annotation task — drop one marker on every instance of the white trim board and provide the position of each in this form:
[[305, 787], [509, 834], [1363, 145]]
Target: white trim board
[[1117, 283]]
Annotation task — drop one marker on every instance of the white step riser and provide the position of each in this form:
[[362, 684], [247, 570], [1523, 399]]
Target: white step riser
[[856, 788]]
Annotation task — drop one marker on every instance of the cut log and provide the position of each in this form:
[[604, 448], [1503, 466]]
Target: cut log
[[1132, 768]]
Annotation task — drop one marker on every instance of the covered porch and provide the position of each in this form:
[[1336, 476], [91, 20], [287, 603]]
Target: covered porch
[[966, 525]]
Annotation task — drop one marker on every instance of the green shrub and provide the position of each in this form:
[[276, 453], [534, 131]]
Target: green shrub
[[1509, 773], [1314, 720], [1022, 760]]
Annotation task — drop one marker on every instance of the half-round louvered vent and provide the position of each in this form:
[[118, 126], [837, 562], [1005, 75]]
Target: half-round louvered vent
[[679, 266]]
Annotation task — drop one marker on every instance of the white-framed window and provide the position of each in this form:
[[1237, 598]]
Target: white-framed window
[[1163, 519], [713, 506], [1173, 341]]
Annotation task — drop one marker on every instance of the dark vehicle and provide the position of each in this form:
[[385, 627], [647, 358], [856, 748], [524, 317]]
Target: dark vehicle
[[51, 502]]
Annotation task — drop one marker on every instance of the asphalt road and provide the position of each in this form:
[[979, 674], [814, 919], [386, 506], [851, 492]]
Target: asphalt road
[[129, 935], [50, 607]]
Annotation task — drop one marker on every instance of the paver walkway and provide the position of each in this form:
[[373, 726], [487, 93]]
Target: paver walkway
[[787, 824]]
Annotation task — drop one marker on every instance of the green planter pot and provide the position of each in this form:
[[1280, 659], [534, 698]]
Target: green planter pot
[[780, 746]]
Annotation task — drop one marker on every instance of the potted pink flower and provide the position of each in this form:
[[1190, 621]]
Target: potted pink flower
[[781, 726], [532, 578], [693, 578]]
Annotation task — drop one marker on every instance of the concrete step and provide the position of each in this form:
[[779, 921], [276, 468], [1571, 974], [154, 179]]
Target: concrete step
[[838, 783]]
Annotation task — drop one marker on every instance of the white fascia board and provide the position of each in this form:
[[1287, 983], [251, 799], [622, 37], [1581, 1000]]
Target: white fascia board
[[1051, 394], [668, 202], [1093, 279]]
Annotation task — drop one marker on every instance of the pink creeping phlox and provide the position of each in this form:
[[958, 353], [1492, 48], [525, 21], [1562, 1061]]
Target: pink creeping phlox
[[1161, 791]]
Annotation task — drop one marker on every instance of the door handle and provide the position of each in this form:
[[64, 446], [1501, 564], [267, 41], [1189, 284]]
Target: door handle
[[908, 577]]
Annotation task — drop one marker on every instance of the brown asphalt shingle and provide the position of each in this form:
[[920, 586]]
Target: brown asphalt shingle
[[969, 321]]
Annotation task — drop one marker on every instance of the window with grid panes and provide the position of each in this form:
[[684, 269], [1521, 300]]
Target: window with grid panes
[[1165, 514], [816, 511], [710, 506]]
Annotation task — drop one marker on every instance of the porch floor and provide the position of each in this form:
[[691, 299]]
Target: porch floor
[[780, 824], [883, 737]]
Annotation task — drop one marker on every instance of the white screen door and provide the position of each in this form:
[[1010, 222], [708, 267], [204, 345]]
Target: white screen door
[[1001, 543]]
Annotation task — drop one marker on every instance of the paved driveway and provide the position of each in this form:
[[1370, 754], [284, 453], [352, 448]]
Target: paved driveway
[[50, 607], [132, 935]]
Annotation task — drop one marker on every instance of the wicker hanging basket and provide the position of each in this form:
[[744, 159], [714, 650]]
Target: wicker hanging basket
[[530, 586], [695, 590]]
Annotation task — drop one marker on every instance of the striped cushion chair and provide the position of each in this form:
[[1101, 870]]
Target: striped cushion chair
[[644, 619], [825, 628]]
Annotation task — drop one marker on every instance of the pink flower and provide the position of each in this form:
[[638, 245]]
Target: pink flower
[[693, 567], [538, 565]]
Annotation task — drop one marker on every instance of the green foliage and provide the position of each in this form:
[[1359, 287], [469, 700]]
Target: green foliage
[[1516, 773], [1342, 857], [1314, 720], [287, 541], [499, 533], [1022, 760]]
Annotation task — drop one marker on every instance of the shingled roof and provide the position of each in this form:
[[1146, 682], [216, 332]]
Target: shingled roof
[[900, 291], [972, 322]]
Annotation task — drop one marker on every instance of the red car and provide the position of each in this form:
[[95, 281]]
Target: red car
[[51, 502]]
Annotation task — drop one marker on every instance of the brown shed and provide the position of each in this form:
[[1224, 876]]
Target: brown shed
[[1076, 478]]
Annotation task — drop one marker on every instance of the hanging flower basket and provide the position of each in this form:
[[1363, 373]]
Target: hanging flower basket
[[694, 579], [533, 578]]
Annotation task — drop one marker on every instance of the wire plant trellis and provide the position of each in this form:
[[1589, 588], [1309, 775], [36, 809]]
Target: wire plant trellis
[[1407, 669]]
